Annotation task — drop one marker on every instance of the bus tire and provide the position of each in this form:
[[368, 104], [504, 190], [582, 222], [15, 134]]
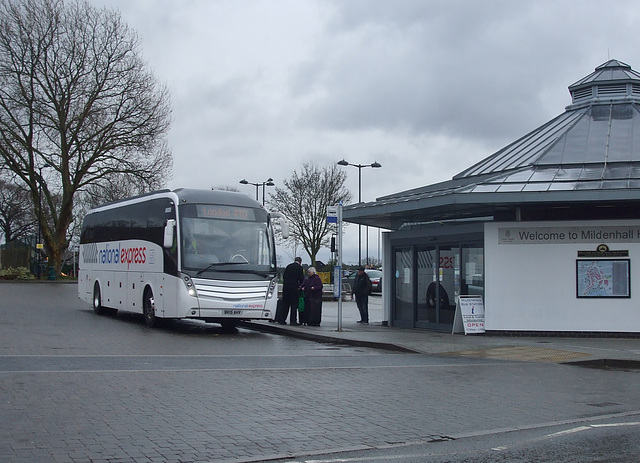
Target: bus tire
[[149, 308], [98, 309], [443, 303]]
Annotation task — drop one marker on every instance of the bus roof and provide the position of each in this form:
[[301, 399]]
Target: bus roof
[[188, 196], [231, 198]]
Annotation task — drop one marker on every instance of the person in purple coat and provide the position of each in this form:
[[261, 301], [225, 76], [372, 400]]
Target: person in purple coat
[[312, 288]]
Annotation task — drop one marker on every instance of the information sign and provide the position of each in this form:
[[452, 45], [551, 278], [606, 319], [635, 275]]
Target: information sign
[[471, 313], [337, 290], [332, 214]]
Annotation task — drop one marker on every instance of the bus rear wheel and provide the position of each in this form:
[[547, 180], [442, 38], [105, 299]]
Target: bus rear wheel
[[98, 309], [149, 308]]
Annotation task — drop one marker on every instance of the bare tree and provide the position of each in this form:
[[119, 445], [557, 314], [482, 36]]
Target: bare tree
[[77, 106], [226, 188], [16, 214], [117, 186], [292, 250], [304, 201]]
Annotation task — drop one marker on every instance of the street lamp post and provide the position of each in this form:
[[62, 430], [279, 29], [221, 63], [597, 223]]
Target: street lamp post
[[375, 165], [266, 183], [39, 244]]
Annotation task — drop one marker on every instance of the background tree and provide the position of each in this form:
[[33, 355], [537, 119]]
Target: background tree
[[372, 262], [292, 250], [304, 200], [114, 187], [226, 188], [16, 214], [77, 104]]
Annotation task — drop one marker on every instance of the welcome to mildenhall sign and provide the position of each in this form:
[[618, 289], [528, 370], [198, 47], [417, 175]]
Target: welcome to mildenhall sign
[[561, 235]]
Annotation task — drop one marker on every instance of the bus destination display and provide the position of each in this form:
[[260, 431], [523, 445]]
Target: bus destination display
[[225, 212]]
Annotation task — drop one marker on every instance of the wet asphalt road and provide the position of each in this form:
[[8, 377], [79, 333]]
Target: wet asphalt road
[[76, 387]]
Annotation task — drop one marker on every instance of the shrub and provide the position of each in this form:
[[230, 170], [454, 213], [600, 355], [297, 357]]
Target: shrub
[[18, 273]]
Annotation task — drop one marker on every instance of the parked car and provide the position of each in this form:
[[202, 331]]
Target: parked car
[[376, 280], [374, 275]]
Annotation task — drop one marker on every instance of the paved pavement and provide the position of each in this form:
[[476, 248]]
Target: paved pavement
[[595, 351]]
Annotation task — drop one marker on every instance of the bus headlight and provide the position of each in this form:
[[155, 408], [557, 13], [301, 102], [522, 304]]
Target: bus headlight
[[273, 286], [191, 289]]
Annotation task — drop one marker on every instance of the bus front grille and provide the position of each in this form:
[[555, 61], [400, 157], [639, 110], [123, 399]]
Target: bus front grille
[[230, 290]]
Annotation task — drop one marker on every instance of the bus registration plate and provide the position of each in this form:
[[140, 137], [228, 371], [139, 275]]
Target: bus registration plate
[[233, 312]]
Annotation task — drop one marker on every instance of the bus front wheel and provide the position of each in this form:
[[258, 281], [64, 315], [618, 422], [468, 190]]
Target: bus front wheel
[[98, 309], [149, 308]]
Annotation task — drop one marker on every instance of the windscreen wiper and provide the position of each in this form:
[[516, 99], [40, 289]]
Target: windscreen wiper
[[254, 272], [215, 264]]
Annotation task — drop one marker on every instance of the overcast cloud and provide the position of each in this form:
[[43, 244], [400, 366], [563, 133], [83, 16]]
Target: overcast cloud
[[426, 88]]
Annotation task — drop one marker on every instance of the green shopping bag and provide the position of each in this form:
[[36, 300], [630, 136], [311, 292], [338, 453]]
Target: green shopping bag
[[301, 302]]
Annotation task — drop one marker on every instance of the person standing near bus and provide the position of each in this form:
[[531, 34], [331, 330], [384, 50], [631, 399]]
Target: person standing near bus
[[291, 280], [362, 289], [312, 288]]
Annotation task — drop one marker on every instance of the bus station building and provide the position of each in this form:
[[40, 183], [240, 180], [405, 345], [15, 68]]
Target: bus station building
[[546, 230]]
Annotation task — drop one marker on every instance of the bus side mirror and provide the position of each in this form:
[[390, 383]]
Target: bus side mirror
[[284, 225], [169, 230], [284, 228]]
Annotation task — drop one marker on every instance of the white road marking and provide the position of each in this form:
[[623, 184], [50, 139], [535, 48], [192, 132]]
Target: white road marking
[[569, 431]]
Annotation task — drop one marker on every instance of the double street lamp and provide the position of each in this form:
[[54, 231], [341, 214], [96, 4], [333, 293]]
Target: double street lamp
[[375, 165], [266, 183]]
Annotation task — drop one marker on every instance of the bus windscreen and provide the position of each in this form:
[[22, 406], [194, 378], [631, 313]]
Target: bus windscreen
[[222, 234]]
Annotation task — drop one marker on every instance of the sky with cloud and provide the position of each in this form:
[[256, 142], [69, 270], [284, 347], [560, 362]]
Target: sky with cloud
[[425, 88]]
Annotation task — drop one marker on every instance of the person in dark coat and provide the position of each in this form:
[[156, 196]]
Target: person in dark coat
[[362, 289], [312, 288], [291, 280]]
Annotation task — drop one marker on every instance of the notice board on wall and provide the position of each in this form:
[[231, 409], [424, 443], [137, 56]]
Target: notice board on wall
[[603, 278], [469, 317]]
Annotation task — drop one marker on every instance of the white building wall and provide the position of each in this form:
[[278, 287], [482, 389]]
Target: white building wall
[[530, 284]]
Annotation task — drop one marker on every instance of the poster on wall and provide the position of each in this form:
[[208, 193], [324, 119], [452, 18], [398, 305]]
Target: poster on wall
[[469, 316], [603, 278]]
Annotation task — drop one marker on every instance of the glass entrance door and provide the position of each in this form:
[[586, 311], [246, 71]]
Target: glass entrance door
[[403, 287], [426, 263], [427, 280], [449, 287], [438, 285]]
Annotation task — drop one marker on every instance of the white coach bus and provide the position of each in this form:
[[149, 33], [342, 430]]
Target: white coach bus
[[200, 254]]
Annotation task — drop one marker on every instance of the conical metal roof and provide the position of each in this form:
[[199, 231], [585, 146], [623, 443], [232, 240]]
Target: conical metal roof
[[601, 126], [593, 146], [611, 81]]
